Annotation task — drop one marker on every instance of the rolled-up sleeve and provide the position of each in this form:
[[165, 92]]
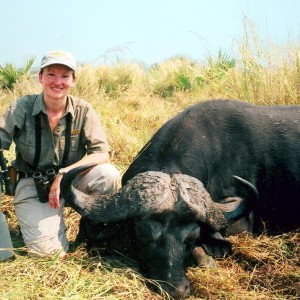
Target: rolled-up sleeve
[[11, 122], [95, 138]]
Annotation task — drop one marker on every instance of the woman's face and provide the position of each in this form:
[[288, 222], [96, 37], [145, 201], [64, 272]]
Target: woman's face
[[57, 80]]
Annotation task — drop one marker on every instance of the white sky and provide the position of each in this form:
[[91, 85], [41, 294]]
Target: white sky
[[146, 31]]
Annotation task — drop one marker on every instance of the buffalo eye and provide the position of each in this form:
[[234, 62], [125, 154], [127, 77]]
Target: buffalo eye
[[189, 235], [148, 231]]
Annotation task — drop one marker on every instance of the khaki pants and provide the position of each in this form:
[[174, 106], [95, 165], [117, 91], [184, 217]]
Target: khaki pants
[[43, 228], [5, 240]]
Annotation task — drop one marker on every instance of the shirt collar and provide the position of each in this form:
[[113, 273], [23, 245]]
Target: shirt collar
[[39, 105]]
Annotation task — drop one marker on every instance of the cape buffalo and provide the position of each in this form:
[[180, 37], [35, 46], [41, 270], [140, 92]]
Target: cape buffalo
[[196, 176]]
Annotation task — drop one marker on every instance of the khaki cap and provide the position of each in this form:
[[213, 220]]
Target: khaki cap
[[59, 57]]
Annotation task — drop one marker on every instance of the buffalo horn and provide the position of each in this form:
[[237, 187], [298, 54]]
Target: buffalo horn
[[154, 192], [216, 215], [237, 207], [146, 193]]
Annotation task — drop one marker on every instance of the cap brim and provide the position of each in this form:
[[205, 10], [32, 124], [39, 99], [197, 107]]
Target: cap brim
[[58, 62]]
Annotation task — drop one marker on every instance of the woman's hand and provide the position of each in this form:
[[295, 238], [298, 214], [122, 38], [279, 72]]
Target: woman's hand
[[55, 192], [96, 158]]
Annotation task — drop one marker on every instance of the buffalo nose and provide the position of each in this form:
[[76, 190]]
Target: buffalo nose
[[181, 291]]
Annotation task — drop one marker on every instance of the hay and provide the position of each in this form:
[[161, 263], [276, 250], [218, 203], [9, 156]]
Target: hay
[[260, 268]]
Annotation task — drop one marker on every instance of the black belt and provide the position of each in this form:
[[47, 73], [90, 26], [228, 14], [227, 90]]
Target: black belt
[[29, 174], [24, 175]]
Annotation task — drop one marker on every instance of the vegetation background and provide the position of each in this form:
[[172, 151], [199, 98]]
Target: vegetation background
[[133, 101]]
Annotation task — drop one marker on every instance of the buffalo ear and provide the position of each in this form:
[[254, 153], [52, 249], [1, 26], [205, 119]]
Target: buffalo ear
[[235, 208], [245, 224], [201, 258]]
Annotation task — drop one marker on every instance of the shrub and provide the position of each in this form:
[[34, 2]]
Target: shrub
[[10, 75]]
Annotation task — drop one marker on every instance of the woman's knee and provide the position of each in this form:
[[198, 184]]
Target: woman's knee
[[102, 179]]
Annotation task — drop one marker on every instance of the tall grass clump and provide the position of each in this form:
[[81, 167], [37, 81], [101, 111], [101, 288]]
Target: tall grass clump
[[111, 81], [133, 101], [10, 75], [123, 78], [173, 75], [266, 73]]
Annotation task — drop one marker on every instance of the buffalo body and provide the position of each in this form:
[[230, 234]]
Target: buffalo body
[[196, 180]]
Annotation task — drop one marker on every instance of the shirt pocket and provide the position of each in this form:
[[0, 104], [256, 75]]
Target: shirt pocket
[[76, 149], [25, 145]]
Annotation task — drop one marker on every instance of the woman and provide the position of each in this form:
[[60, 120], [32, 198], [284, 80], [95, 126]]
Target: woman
[[54, 130]]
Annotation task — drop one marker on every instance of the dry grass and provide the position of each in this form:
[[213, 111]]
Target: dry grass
[[261, 268]]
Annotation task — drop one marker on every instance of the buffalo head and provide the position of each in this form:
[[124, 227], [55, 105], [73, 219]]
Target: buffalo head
[[170, 212]]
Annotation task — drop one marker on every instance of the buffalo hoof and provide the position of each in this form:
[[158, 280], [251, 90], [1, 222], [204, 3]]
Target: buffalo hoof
[[202, 259]]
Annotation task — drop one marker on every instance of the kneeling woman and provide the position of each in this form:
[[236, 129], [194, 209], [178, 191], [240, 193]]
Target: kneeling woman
[[54, 131]]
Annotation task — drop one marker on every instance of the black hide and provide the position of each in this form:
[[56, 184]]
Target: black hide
[[216, 139]]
